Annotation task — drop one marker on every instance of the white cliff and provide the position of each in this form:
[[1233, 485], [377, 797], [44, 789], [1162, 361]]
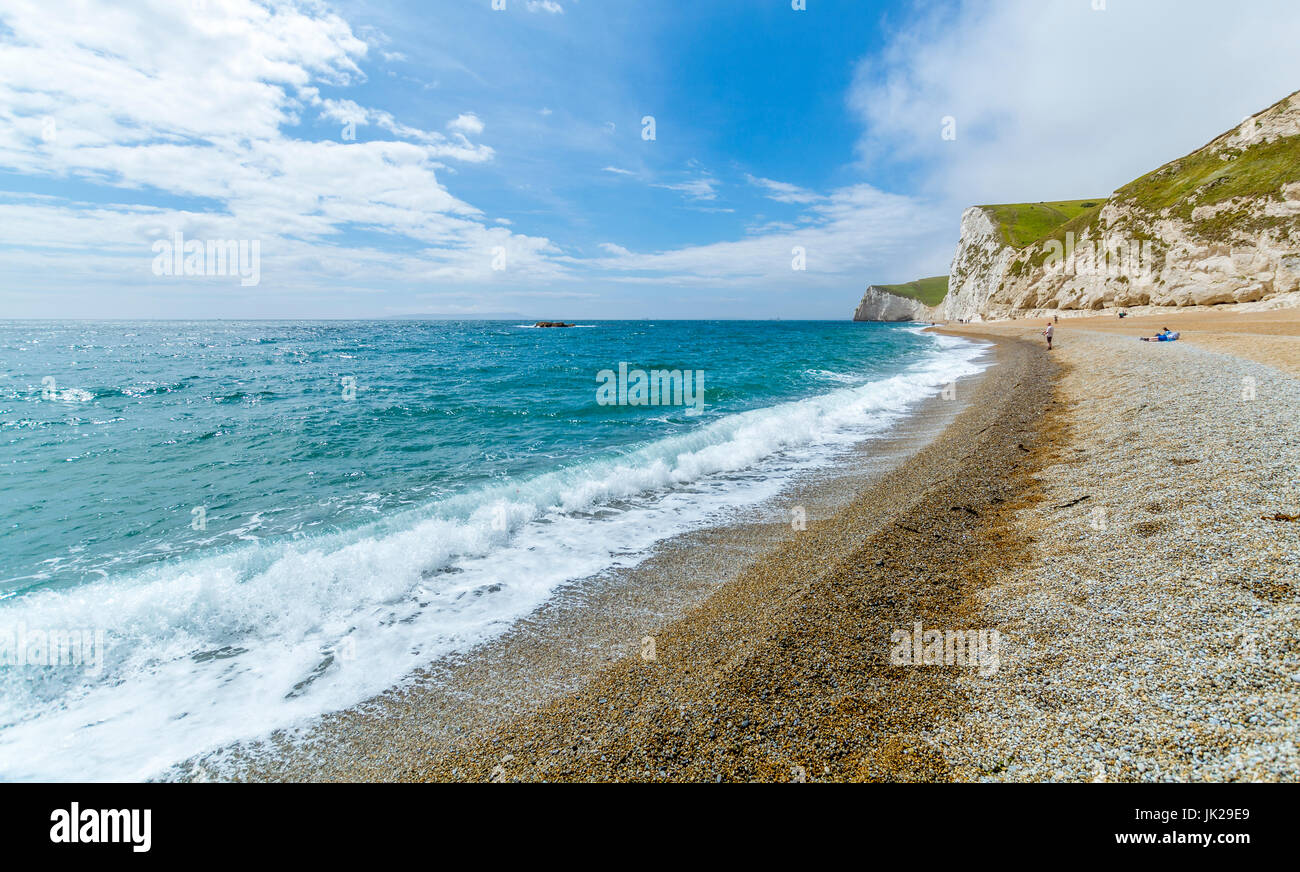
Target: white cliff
[[879, 304], [1170, 238]]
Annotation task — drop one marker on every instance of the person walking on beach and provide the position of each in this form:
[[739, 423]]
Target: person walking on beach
[[1048, 334]]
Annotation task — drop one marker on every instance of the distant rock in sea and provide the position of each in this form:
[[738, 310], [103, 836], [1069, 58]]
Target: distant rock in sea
[[552, 324]]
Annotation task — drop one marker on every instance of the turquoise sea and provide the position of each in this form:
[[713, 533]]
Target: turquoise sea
[[263, 521]]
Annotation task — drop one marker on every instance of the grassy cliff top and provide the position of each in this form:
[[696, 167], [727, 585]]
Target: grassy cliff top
[[928, 292], [1228, 167], [1252, 167], [1258, 170], [1025, 223]]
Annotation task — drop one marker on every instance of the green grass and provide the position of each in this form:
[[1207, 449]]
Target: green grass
[[929, 292], [1256, 172], [1080, 223], [1259, 170], [1205, 177], [1023, 224]]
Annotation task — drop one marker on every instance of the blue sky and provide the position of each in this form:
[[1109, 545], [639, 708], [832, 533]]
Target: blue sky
[[395, 158]]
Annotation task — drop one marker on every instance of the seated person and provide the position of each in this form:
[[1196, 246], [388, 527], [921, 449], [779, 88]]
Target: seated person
[[1165, 335]]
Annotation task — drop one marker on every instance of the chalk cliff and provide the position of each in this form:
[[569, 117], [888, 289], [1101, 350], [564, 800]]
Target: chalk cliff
[[879, 304], [1220, 225]]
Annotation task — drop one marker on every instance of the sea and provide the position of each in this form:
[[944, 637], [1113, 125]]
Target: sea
[[213, 530]]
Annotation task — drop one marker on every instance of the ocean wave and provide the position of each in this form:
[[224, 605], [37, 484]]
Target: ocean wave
[[316, 624], [827, 375]]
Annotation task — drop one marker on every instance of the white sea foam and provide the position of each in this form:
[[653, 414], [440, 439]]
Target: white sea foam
[[847, 378], [268, 635]]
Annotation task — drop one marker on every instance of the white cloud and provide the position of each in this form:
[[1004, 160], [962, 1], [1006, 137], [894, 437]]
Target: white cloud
[[783, 192], [853, 232], [458, 147], [703, 188], [545, 6], [222, 104], [200, 103], [1053, 100], [467, 123]]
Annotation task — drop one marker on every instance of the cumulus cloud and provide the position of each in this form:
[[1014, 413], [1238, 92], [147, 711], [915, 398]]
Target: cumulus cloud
[[1050, 99], [457, 147], [467, 123], [207, 103]]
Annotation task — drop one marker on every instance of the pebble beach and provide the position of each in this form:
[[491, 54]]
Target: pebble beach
[[1124, 516], [1154, 635]]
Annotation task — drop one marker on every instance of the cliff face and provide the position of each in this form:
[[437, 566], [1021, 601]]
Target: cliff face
[[881, 305], [978, 267], [1221, 225]]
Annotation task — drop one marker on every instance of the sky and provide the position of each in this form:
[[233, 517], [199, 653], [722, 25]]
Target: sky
[[569, 159]]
